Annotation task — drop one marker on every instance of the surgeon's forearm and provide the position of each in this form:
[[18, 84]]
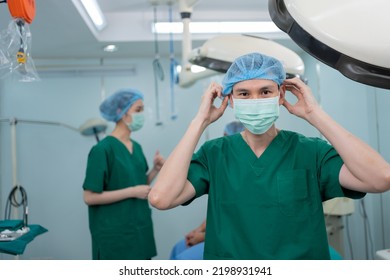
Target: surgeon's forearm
[[105, 197], [173, 175], [151, 175], [362, 161]]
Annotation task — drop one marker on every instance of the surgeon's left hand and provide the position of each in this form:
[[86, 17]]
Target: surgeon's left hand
[[158, 161], [306, 103]]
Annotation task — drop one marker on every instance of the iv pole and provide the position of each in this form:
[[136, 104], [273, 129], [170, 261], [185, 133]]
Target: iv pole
[[15, 183], [14, 163], [90, 127]]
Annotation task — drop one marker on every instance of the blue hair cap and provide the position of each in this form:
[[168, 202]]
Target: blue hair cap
[[253, 66], [233, 128], [115, 106]]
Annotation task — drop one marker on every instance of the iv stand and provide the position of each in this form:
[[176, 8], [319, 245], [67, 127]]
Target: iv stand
[[90, 127]]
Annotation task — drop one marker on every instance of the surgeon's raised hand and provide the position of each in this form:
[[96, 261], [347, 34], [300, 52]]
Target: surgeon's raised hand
[[208, 112], [158, 161], [306, 103]]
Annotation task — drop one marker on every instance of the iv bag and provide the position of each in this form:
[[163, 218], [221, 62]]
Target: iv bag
[[15, 47]]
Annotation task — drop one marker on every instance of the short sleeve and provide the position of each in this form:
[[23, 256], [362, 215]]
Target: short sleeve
[[97, 170], [330, 163], [198, 173]]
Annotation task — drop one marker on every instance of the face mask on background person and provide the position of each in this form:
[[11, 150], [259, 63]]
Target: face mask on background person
[[257, 115], [138, 120]]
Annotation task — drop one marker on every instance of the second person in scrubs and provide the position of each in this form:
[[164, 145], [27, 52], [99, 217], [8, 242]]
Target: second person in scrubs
[[117, 184]]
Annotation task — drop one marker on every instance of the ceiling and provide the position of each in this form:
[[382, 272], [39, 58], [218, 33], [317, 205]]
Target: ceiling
[[59, 31]]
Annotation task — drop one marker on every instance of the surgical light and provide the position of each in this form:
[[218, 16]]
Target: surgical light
[[219, 52], [217, 27], [95, 13], [110, 48], [194, 68], [348, 35]]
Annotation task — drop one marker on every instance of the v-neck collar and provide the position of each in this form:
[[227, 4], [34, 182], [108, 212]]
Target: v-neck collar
[[259, 163], [276, 143], [123, 145]]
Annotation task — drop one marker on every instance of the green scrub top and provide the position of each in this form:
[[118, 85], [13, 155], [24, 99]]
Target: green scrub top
[[268, 207], [121, 230]]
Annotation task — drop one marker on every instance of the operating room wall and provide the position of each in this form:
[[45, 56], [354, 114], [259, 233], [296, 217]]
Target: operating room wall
[[51, 159]]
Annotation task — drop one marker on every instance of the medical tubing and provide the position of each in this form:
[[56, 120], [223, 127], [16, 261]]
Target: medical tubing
[[13, 201], [157, 69], [172, 68], [20, 24]]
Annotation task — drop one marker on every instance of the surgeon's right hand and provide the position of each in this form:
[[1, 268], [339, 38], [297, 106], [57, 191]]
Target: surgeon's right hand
[[207, 112]]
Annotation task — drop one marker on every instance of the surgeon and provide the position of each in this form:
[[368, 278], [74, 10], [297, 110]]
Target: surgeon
[[266, 185], [117, 184]]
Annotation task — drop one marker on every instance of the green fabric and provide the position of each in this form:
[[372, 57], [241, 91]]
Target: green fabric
[[11, 224], [17, 246], [334, 255], [121, 230], [268, 207]]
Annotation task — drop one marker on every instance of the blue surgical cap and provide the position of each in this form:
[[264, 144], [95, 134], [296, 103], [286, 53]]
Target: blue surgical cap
[[253, 66], [233, 128], [116, 105]]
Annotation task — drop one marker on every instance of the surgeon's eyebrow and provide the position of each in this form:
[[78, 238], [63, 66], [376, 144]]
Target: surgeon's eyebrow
[[241, 89], [261, 89], [269, 88]]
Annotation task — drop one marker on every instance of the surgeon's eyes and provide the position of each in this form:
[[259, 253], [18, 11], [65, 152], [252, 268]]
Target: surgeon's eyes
[[244, 94], [266, 92]]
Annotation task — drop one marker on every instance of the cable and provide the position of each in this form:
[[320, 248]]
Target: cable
[[13, 201], [173, 70], [367, 232], [158, 71]]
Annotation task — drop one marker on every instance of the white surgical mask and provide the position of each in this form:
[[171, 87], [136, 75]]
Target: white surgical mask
[[137, 122], [257, 115]]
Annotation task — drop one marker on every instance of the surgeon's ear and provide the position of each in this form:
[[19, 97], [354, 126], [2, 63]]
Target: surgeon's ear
[[282, 94]]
